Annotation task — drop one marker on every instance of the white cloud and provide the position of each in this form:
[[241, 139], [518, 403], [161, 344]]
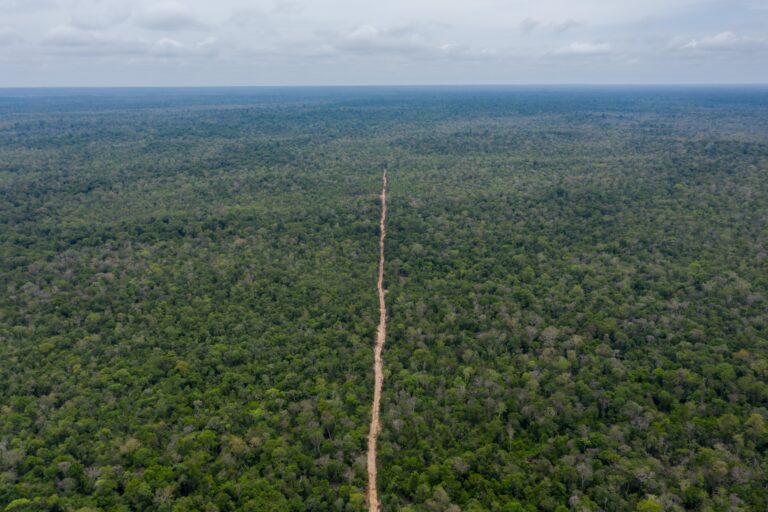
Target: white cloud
[[12, 6], [208, 41], [67, 35], [73, 42], [364, 33], [579, 48], [287, 7], [167, 47], [408, 41], [321, 41], [566, 25], [101, 16], [167, 43], [168, 16], [367, 39], [529, 25], [722, 42]]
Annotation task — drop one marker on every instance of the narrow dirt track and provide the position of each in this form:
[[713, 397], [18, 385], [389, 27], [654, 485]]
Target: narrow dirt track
[[378, 370]]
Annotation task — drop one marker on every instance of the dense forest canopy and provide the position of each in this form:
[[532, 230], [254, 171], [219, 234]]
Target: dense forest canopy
[[577, 291]]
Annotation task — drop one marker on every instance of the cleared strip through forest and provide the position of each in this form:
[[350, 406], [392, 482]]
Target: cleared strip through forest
[[378, 370]]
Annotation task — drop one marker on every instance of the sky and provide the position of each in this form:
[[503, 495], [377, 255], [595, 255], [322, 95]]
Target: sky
[[52, 43]]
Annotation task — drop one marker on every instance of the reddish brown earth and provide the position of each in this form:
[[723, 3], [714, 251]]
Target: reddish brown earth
[[378, 370]]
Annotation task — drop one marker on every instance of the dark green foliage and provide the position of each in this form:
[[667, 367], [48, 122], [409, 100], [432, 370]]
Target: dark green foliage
[[577, 295]]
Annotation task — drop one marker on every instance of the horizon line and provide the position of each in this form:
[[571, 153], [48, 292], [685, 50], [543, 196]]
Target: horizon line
[[370, 86]]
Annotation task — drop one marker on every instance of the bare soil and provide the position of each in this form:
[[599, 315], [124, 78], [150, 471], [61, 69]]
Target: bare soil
[[378, 370]]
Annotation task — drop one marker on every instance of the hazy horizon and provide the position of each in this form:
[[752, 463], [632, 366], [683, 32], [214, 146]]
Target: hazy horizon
[[405, 86]]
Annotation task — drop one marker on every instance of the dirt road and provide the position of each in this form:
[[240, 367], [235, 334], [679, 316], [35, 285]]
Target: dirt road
[[378, 371]]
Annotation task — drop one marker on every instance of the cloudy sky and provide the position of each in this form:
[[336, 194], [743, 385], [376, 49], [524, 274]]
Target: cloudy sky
[[296, 42]]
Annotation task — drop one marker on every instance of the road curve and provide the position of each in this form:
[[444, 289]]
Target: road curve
[[378, 370]]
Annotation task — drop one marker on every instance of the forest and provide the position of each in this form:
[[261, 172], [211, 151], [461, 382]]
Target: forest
[[577, 294]]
